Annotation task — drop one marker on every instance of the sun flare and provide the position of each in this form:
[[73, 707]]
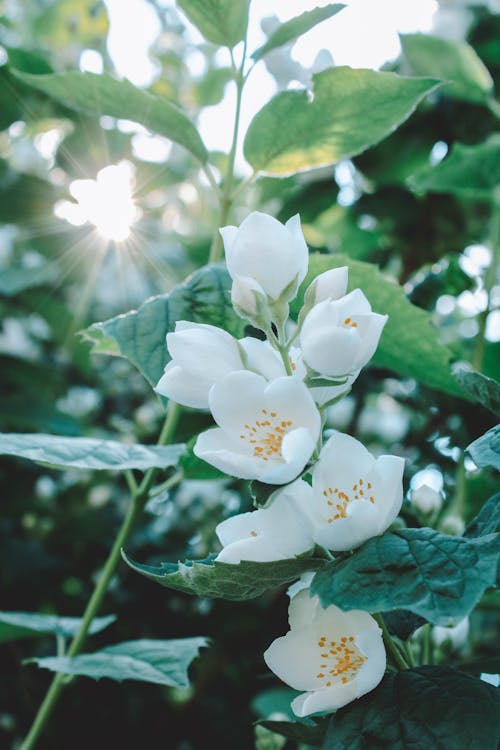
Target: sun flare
[[106, 202]]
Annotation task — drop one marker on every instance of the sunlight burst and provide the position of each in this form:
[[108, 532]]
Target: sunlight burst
[[105, 202]]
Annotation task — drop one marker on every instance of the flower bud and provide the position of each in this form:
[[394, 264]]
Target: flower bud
[[273, 254], [426, 499]]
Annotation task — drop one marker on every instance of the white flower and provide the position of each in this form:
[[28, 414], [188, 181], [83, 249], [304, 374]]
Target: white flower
[[277, 532], [426, 499], [248, 298], [334, 656], [338, 337], [355, 496], [331, 285], [202, 354], [263, 249], [267, 431], [455, 636]]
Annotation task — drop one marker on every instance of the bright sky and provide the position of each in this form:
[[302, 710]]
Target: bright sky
[[364, 34]]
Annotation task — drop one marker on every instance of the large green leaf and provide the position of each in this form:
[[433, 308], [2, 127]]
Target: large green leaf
[[88, 453], [409, 343], [311, 733], [295, 27], [487, 520], [469, 171], [350, 110], [463, 73], [402, 623], [427, 708], [433, 575], [482, 389], [156, 661], [102, 95], [220, 21], [485, 451], [140, 335], [219, 580], [15, 625]]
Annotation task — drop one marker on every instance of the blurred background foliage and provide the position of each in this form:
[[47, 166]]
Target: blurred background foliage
[[57, 277]]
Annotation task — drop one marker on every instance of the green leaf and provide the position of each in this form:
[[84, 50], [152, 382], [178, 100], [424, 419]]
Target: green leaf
[[219, 580], [15, 280], [482, 389], [427, 708], [88, 453], [433, 575], [195, 468], [295, 27], [160, 662], [261, 492], [140, 334], [15, 625], [220, 21], [485, 451], [402, 623], [456, 63], [409, 344], [210, 89], [487, 520], [469, 171], [102, 95], [350, 111], [311, 733]]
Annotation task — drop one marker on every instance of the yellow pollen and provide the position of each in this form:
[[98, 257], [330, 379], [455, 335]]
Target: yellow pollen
[[266, 436], [342, 661], [344, 499], [253, 533]]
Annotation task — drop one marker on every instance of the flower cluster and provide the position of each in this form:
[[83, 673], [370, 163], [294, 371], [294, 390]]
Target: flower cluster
[[267, 398]]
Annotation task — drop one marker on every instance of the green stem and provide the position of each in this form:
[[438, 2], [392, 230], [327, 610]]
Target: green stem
[[394, 652], [282, 349], [226, 199], [93, 605], [167, 484], [427, 644], [138, 499], [489, 281]]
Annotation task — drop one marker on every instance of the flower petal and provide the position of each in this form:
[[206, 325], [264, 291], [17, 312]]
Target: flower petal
[[216, 448], [331, 284], [326, 699], [179, 386], [262, 358], [204, 351], [344, 534], [292, 658], [278, 532], [230, 409]]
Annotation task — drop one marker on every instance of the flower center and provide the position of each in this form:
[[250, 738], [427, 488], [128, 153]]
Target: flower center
[[337, 500], [339, 659], [349, 323], [266, 435]]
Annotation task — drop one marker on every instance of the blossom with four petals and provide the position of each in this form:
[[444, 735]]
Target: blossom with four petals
[[340, 336], [266, 430], [331, 655], [355, 496]]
